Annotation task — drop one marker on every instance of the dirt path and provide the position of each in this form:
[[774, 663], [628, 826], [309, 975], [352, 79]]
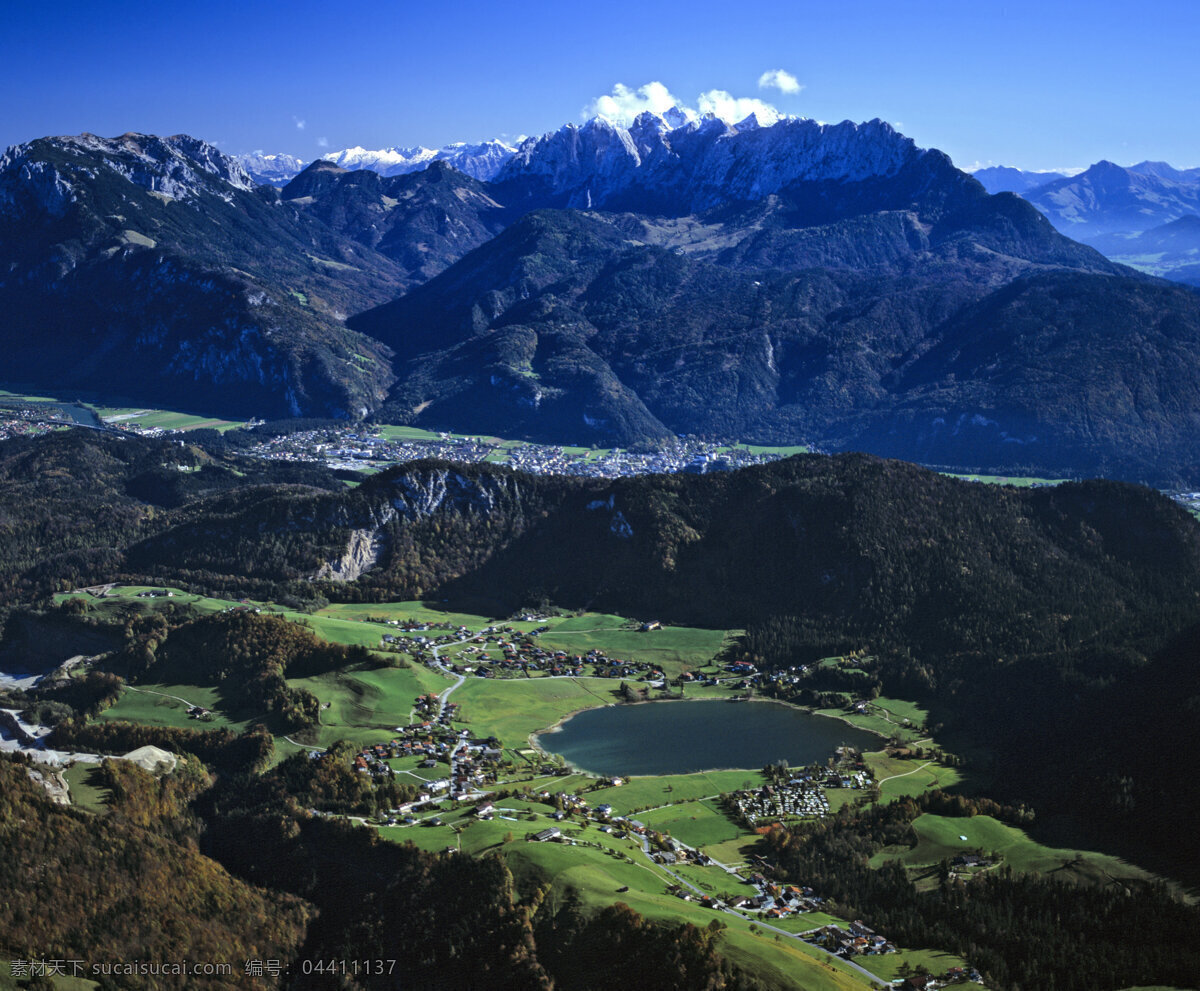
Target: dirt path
[[147, 691], [891, 777]]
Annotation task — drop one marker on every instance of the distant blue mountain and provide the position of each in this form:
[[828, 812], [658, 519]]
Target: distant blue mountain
[[1003, 179]]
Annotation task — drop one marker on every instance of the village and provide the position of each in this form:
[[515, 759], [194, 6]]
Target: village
[[503, 651], [355, 448]]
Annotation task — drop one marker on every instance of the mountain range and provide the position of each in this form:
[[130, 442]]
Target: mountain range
[[797, 282], [480, 161], [1141, 216]]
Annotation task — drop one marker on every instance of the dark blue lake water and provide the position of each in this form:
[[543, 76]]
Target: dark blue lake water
[[681, 737]]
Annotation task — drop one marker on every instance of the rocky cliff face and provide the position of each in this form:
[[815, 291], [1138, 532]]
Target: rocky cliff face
[[416, 494], [680, 166]]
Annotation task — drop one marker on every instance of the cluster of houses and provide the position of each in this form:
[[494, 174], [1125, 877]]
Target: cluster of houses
[[775, 901], [504, 650], [473, 764], [29, 421], [421, 646], [373, 758], [858, 940], [353, 449]]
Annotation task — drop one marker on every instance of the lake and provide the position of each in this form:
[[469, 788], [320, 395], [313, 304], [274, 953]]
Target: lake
[[681, 737]]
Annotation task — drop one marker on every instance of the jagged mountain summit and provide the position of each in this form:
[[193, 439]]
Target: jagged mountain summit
[[677, 165]]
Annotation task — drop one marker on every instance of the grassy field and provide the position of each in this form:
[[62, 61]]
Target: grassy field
[[783, 452], [160, 705], [117, 416], [333, 624], [668, 789], [513, 709], [698, 824], [419, 611], [366, 706], [1019, 481], [735, 852], [674, 649], [898, 777], [597, 875], [942, 838], [886, 717], [85, 792]]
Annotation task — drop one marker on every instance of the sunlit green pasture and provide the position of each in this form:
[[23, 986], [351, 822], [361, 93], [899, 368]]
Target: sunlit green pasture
[[943, 838]]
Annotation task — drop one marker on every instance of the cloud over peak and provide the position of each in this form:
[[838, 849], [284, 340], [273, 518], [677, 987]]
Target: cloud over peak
[[625, 103]]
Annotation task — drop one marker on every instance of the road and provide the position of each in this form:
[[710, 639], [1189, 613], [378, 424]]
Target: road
[[460, 678]]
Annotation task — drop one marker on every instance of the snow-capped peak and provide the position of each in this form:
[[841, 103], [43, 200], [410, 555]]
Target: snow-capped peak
[[480, 161]]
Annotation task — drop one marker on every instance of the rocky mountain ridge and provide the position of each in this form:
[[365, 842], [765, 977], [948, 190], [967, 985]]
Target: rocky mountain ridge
[[156, 268], [698, 164]]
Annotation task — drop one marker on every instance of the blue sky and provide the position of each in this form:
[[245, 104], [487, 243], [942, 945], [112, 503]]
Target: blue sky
[[1035, 84]]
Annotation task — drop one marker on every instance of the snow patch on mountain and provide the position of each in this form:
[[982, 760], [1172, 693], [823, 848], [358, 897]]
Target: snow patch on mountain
[[480, 161]]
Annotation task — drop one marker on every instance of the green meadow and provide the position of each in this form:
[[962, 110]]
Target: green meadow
[[86, 792], [888, 965], [674, 649], [598, 875], [117, 416], [167, 705], [1018, 481], [699, 824], [905, 777], [944, 838], [514, 709], [640, 794], [366, 706]]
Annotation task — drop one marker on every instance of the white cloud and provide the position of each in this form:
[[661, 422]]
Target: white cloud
[[300, 124], [735, 108], [624, 104], [778, 79], [322, 142]]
